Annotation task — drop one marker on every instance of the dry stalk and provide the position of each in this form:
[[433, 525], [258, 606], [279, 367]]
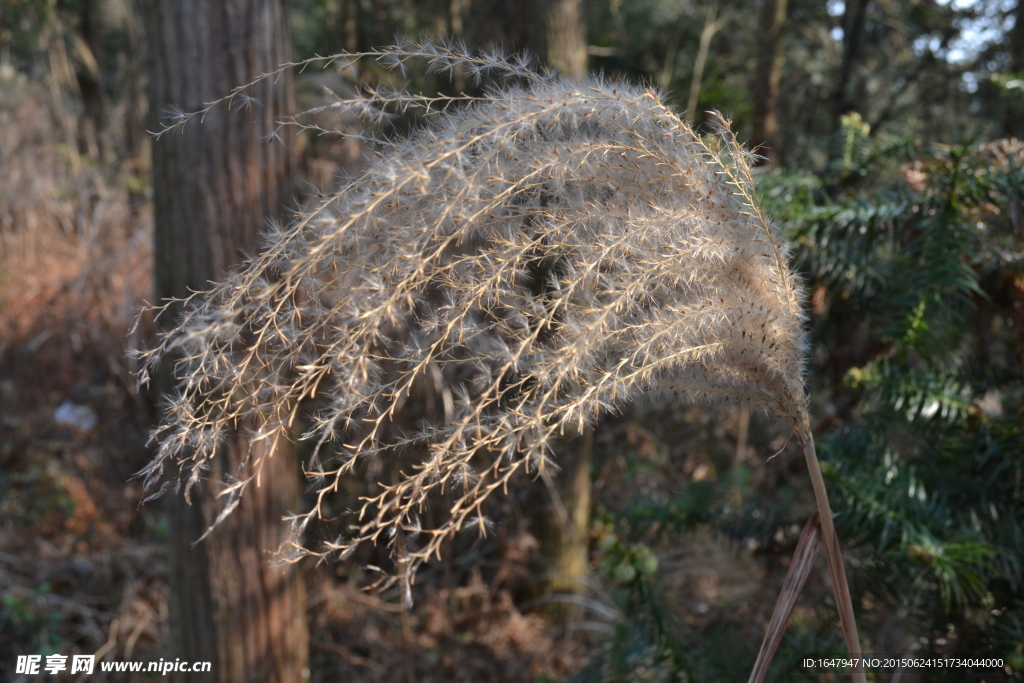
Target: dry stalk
[[800, 568], [537, 256], [837, 571]]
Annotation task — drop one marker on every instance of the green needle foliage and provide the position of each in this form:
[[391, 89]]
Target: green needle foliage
[[919, 285]]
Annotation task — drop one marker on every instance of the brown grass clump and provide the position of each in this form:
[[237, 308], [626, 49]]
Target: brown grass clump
[[536, 257]]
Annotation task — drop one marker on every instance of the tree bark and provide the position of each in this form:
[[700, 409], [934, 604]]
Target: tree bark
[[566, 34], [214, 187], [564, 528], [553, 31], [769, 75]]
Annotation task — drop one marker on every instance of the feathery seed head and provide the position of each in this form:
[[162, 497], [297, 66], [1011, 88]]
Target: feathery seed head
[[531, 260]]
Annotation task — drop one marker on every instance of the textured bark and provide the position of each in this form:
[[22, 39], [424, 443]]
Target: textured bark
[[564, 529], [769, 75], [566, 33], [215, 185], [553, 31]]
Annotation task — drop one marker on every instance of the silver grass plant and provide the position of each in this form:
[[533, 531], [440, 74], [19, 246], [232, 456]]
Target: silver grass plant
[[538, 256]]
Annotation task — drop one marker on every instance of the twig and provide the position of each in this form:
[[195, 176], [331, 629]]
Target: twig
[[347, 655], [111, 643]]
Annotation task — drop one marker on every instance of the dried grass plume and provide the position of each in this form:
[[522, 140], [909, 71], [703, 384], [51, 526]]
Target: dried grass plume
[[535, 257]]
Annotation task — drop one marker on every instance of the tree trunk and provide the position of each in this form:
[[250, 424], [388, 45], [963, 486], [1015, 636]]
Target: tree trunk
[[348, 25], [89, 73], [711, 26], [564, 528], [553, 31], [215, 185], [1014, 122], [854, 17], [566, 34], [769, 75]]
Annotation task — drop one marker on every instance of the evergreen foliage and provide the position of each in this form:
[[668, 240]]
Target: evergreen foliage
[[915, 255]]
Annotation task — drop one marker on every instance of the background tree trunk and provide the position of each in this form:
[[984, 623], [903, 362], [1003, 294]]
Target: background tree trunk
[[89, 73], [854, 17], [769, 75], [564, 527], [553, 31], [564, 531], [566, 33], [1014, 121], [215, 185], [712, 23]]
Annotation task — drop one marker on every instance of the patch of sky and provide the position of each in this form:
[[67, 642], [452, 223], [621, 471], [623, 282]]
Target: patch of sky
[[983, 24], [836, 8]]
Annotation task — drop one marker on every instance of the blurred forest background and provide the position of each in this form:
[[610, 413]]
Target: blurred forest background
[[890, 131]]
